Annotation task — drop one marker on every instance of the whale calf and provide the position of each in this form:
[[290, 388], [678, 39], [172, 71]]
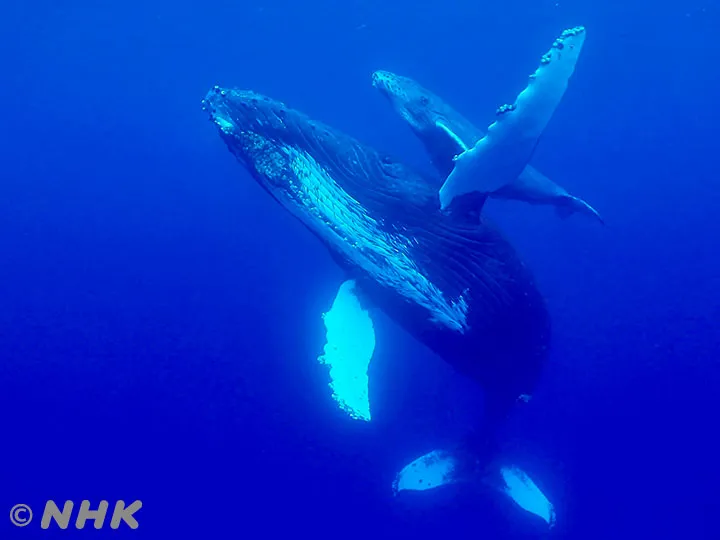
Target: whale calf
[[445, 133]]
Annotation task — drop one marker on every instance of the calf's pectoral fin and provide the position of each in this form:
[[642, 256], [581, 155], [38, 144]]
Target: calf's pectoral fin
[[462, 147], [350, 337], [500, 156]]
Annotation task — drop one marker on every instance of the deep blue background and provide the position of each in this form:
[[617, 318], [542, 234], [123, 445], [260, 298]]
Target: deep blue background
[[160, 316]]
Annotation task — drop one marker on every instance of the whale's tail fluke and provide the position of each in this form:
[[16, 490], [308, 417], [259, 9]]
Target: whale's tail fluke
[[478, 462], [577, 205], [440, 468]]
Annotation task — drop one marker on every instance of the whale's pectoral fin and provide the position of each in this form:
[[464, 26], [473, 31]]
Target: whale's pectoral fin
[[500, 156], [461, 146], [348, 351]]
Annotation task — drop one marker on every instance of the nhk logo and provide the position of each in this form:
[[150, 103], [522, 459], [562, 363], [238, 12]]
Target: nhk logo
[[21, 515]]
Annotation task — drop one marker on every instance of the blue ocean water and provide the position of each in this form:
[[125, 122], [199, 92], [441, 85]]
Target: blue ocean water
[[161, 315]]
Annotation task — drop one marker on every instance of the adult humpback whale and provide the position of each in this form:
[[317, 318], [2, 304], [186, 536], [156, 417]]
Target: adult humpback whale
[[459, 287], [445, 133], [454, 284]]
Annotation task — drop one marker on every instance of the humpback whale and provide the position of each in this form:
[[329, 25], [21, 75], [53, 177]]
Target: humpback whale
[[445, 133], [454, 284], [458, 287]]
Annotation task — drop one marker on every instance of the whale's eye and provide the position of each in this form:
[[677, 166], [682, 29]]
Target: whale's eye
[[424, 100]]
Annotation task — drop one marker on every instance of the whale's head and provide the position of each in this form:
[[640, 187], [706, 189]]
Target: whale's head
[[291, 156], [417, 106], [262, 134], [341, 190], [444, 132]]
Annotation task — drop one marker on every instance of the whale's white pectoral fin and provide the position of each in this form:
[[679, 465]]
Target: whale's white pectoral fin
[[498, 158], [454, 136], [348, 351], [517, 485], [434, 469]]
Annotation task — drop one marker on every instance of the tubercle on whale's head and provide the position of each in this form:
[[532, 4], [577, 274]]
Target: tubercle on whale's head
[[408, 98], [242, 115], [236, 112], [262, 134]]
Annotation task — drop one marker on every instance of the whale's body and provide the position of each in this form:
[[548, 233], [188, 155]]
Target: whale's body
[[421, 251], [456, 286]]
